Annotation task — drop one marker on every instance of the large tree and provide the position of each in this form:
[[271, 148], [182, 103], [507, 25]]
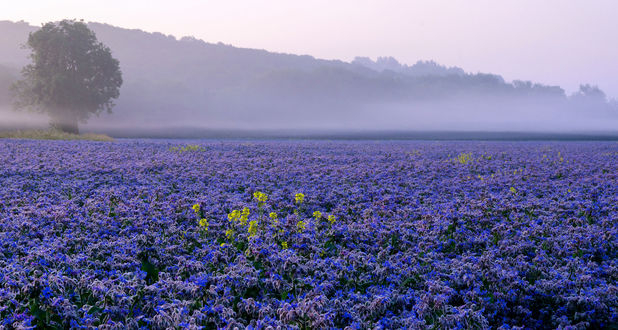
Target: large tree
[[71, 77]]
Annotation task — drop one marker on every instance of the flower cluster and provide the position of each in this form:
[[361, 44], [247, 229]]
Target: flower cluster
[[187, 148], [299, 198], [260, 196], [384, 235]]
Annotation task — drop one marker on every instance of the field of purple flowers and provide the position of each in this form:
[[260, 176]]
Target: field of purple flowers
[[161, 234]]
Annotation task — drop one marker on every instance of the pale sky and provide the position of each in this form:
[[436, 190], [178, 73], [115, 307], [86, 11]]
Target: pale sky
[[558, 42]]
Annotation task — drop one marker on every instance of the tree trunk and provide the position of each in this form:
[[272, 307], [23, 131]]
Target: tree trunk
[[67, 124]]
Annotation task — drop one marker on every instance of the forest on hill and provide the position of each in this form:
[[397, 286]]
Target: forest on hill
[[176, 83]]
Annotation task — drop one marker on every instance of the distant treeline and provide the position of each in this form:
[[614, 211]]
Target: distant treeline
[[8, 75], [191, 82]]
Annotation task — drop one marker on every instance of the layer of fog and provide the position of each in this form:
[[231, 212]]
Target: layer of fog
[[428, 116], [176, 84], [11, 119], [425, 116]]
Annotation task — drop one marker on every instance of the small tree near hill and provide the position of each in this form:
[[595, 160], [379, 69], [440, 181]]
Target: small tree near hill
[[72, 75]]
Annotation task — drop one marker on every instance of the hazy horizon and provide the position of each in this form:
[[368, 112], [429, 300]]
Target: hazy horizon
[[564, 43], [424, 82]]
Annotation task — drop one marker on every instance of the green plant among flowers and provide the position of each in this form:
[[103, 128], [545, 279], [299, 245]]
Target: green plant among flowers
[[464, 158], [244, 216], [299, 198], [261, 199], [187, 148], [242, 227], [252, 228], [202, 222], [274, 218], [332, 219], [301, 226]]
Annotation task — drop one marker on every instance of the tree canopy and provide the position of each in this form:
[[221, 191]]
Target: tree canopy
[[72, 75]]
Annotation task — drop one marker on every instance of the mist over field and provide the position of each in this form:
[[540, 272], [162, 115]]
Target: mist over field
[[172, 85]]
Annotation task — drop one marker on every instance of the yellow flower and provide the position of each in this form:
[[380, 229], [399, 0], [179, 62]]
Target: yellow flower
[[229, 233], [513, 190], [301, 225], [260, 196], [235, 214], [284, 245], [317, 214], [273, 215], [299, 198], [252, 228], [204, 223], [464, 158], [190, 147], [244, 216], [332, 219], [196, 207]]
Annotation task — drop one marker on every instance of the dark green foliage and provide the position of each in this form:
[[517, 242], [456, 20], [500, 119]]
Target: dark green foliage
[[72, 75], [152, 273], [7, 77]]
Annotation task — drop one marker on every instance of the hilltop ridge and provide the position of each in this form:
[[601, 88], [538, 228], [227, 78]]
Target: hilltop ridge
[[190, 82]]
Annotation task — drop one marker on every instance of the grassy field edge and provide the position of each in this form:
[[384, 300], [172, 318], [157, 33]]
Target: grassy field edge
[[53, 135]]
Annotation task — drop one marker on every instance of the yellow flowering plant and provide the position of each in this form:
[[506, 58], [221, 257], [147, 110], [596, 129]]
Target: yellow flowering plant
[[204, 224], [299, 198], [234, 215], [260, 196], [273, 216], [464, 158], [261, 199], [244, 216], [252, 228]]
